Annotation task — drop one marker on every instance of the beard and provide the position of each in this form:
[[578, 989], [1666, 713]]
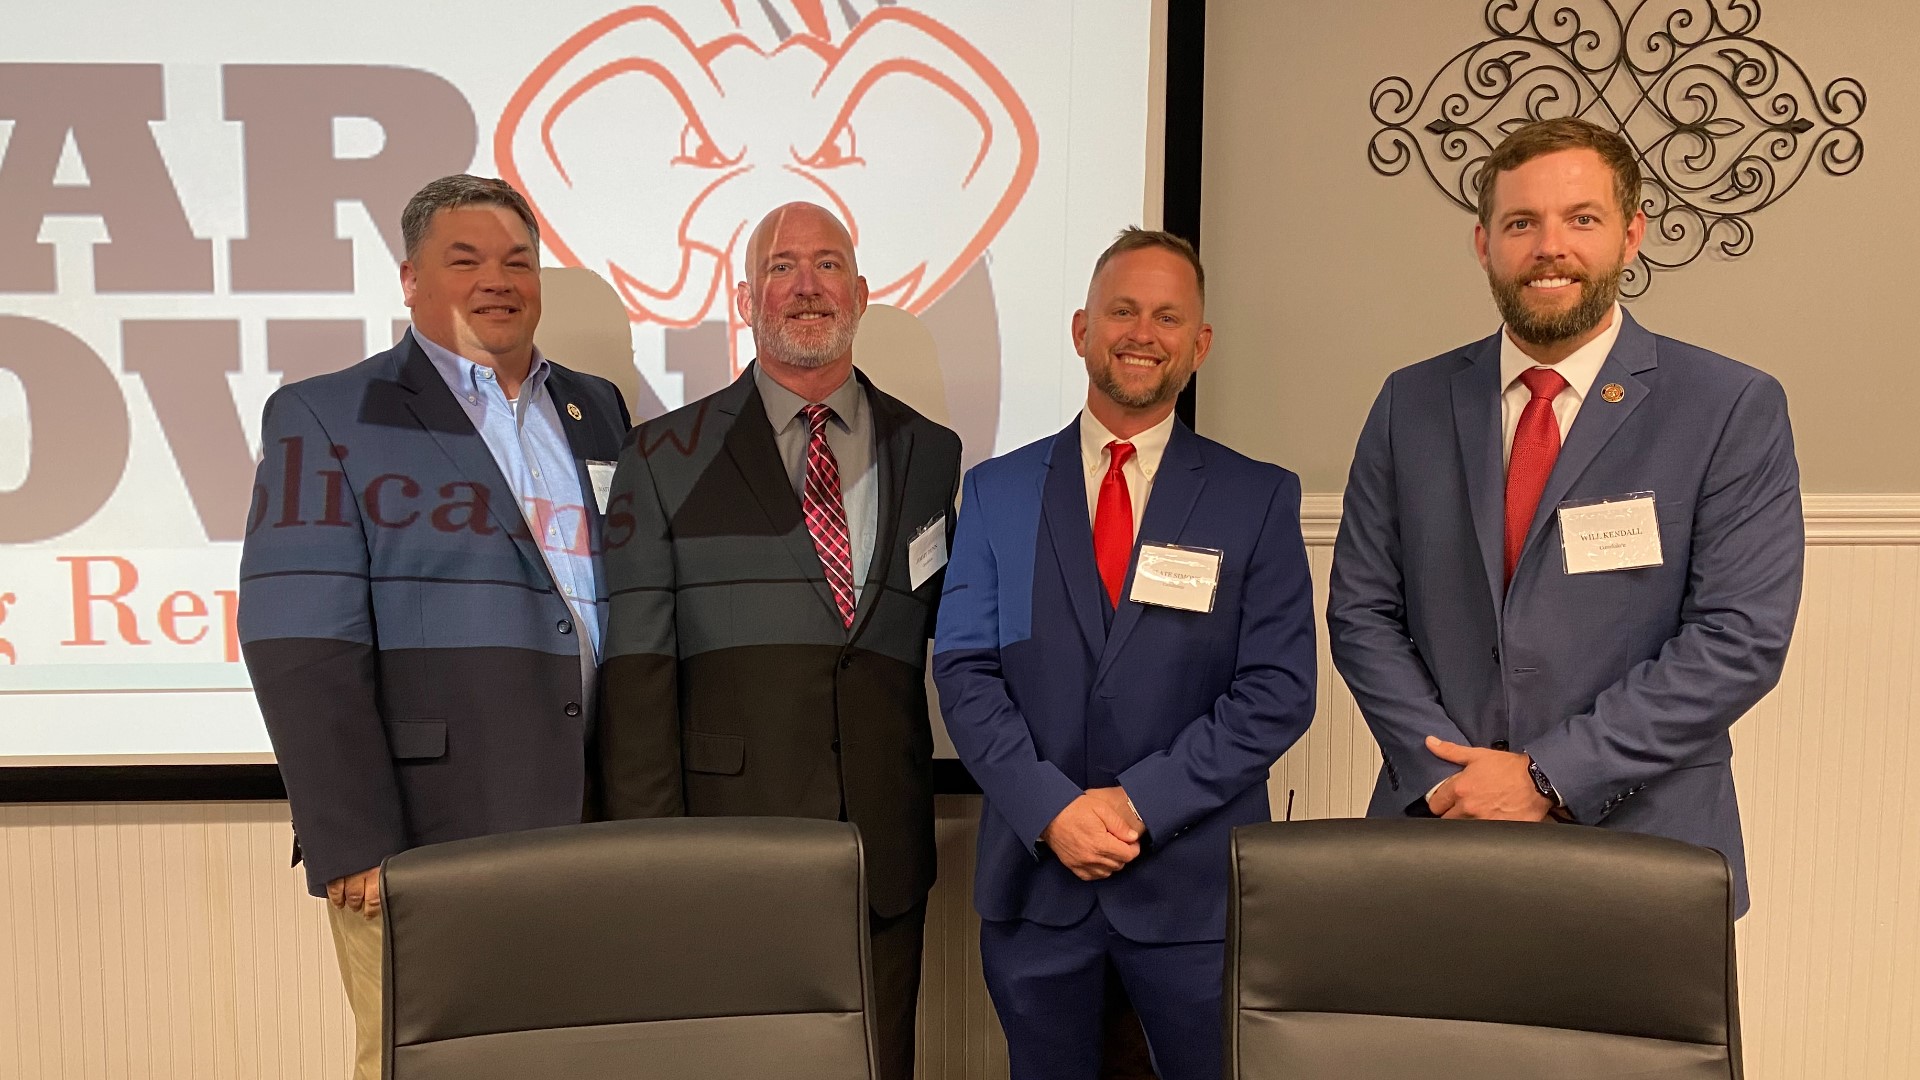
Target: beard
[[1597, 296], [777, 337], [1174, 376]]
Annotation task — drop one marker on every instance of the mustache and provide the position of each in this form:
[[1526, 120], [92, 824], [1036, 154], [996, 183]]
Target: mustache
[[1534, 273]]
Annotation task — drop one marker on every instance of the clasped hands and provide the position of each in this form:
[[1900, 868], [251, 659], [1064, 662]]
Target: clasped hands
[[1096, 835], [1492, 785]]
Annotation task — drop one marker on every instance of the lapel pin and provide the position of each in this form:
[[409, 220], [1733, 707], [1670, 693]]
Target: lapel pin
[[1612, 392], [574, 410]]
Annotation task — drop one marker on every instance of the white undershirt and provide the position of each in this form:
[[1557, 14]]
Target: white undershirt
[[1579, 369], [1148, 448]]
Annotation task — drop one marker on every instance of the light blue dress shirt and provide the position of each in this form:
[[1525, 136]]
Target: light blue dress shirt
[[531, 449]]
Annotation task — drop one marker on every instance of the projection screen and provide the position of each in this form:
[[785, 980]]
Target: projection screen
[[200, 201]]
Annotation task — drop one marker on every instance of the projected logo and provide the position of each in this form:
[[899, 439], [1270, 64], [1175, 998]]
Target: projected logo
[[901, 126]]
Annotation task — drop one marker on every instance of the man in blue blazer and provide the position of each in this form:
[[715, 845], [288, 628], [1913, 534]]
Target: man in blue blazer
[[1124, 648], [1570, 555], [420, 593]]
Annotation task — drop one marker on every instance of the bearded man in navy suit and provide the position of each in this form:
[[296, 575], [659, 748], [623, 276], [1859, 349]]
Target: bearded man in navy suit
[[1570, 555]]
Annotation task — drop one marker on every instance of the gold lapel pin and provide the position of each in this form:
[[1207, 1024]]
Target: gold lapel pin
[[1612, 392], [574, 410]]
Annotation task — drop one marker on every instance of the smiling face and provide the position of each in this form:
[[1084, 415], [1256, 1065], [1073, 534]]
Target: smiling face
[[1142, 335], [1555, 243], [803, 297], [474, 285]]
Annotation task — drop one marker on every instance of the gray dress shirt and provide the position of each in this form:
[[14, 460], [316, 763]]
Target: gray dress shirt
[[850, 437]]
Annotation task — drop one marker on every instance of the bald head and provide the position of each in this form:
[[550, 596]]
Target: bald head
[[803, 296], [796, 223]]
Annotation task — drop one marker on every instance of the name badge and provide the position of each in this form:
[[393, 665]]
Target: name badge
[[927, 551], [1182, 578], [600, 475], [1615, 533]]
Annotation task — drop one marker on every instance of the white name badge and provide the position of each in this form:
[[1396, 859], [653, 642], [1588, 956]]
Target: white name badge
[[927, 551], [1616, 533], [1182, 578], [600, 475]]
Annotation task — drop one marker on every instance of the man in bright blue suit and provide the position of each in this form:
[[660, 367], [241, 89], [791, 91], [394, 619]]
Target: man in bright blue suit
[[1125, 646], [1570, 556]]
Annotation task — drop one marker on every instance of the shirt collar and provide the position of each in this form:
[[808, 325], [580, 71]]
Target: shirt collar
[[463, 375], [1579, 369], [1148, 446], [783, 406]]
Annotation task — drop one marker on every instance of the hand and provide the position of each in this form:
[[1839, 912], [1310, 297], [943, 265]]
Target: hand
[[1115, 799], [357, 892], [1492, 785], [1090, 839]]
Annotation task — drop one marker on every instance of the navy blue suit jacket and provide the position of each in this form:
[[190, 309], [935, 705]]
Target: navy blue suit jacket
[[1187, 711], [418, 671], [1622, 685]]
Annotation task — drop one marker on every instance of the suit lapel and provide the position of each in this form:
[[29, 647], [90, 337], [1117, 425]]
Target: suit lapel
[[1176, 487], [1476, 423], [750, 444], [1064, 507], [439, 412], [1598, 419], [566, 395], [893, 451]]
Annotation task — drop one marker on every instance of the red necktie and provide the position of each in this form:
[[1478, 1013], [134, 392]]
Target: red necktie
[[1536, 443], [826, 514], [1113, 523]]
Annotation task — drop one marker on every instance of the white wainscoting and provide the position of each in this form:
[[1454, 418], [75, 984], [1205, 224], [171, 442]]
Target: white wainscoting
[[172, 941]]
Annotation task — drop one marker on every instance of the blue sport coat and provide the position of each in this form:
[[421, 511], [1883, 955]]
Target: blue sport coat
[[419, 673], [1622, 684], [1187, 711]]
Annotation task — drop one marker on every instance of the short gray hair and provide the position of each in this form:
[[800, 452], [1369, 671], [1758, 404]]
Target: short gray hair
[[454, 192]]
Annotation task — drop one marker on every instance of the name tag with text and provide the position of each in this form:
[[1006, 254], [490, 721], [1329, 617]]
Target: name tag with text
[[927, 551], [1616, 533], [600, 475], [1182, 578]]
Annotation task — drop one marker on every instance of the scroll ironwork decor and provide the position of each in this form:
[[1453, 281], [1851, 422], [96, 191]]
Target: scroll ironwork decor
[[1724, 123]]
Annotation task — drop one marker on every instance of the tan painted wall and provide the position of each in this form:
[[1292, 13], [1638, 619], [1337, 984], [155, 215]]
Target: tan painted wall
[[1324, 276]]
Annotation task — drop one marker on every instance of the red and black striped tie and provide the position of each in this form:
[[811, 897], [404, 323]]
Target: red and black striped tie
[[826, 514]]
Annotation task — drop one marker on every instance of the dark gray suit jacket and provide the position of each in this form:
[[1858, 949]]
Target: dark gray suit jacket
[[731, 685], [418, 671]]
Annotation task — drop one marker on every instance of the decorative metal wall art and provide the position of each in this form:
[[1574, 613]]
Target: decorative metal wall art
[[1724, 122]]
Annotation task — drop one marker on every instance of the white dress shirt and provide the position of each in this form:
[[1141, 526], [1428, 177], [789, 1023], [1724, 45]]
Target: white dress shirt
[[1579, 369], [1148, 448]]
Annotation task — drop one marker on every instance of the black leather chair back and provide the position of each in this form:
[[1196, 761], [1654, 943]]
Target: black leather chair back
[[1485, 950], [673, 949]]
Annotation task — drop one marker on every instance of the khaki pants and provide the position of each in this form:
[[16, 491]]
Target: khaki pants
[[356, 941]]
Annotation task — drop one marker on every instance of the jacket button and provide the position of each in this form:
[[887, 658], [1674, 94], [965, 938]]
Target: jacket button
[[836, 746], [1499, 744], [573, 708], [563, 626], [846, 662], [1496, 653]]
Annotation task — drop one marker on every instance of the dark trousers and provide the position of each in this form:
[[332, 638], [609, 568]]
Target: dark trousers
[[1049, 987], [896, 949]]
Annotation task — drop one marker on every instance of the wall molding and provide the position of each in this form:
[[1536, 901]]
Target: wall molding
[[1831, 519]]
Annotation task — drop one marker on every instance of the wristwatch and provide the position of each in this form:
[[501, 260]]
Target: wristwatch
[[1543, 785]]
